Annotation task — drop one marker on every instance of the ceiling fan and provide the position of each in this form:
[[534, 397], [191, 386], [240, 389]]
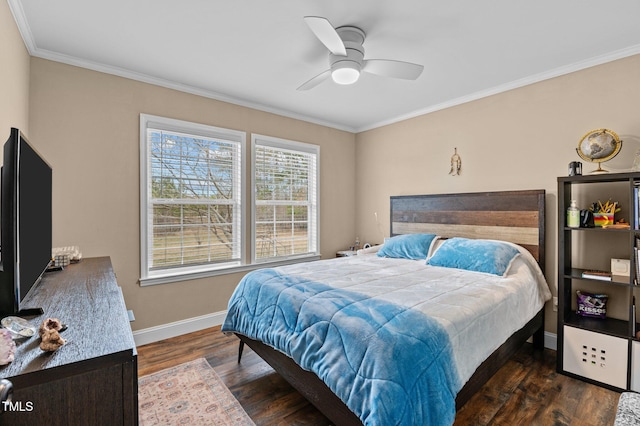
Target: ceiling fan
[[346, 56]]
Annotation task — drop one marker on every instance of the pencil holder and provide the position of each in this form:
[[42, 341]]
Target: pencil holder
[[602, 219]]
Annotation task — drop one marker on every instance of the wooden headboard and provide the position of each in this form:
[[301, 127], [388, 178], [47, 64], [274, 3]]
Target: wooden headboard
[[514, 216]]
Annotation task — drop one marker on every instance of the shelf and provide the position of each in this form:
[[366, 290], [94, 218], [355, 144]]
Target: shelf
[[576, 274], [609, 177], [611, 326], [591, 246], [600, 229]]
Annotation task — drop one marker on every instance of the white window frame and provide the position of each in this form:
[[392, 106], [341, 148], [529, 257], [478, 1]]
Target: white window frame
[[147, 276], [314, 202]]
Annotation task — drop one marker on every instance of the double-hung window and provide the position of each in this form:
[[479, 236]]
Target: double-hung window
[[191, 198], [285, 199]]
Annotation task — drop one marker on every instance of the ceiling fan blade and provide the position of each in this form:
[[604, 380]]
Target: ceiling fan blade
[[395, 69], [325, 32], [315, 80]]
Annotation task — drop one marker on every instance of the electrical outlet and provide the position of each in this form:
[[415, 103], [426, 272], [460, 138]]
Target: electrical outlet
[[555, 304]]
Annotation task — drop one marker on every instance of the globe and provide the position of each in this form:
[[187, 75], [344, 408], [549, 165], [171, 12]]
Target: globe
[[598, 146]]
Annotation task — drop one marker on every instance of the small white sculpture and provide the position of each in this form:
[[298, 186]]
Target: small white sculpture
[[456, 163]]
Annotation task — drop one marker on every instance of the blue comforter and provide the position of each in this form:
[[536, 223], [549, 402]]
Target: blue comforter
[[391, 365]]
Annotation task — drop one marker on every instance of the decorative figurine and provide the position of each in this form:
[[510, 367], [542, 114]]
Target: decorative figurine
[[7, 347], [50, 335], [456, 163]]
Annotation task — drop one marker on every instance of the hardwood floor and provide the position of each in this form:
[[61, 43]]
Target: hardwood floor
[[526, 391]]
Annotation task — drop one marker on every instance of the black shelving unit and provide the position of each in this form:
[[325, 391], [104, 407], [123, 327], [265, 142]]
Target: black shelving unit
[[600, 351]]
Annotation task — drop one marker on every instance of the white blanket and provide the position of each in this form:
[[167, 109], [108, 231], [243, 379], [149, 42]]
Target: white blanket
[[479, 311]]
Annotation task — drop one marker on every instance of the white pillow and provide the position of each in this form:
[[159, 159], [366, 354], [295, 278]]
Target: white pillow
[[372, 249]]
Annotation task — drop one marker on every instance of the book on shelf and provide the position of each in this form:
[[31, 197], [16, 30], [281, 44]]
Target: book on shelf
[[636, 258], [633, 317], [597, 275], [636, 206]]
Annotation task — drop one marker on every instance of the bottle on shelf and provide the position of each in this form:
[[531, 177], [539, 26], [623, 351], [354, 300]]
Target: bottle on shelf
[[573, 215]]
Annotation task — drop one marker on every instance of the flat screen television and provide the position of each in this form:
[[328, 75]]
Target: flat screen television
[[25, 223]]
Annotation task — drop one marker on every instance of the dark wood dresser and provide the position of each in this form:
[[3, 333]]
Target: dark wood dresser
[[93, 379]]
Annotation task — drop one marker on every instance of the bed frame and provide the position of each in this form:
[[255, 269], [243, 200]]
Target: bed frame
[[515, 216]]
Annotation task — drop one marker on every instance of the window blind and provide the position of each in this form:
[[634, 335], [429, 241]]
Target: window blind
[[193, 197], [285, 198]]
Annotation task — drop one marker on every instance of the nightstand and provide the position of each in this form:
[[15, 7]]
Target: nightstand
[[346, 253]]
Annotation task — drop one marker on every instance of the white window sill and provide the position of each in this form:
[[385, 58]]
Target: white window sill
[[183, 276]]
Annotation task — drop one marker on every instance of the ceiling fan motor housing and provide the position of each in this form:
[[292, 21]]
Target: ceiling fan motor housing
[[351, 65]]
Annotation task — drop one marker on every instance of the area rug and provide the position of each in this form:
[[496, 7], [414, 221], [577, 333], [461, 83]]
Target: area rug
[[188, 394]]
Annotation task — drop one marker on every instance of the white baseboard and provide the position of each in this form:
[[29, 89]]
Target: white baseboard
[[173, 329], [550, 341]]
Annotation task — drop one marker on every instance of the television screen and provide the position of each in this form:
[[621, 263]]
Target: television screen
[[34, 216], [25, 222]]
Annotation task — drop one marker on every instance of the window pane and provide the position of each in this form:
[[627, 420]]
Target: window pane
[[189, 234], [283, 213], [264, 213], [191, 167], [300, 214], [265, 242]]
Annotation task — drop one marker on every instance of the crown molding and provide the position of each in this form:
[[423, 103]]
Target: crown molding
[[567, 69], [23, 26], [144, 78]]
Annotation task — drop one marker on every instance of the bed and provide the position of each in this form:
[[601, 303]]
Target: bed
[[382, 338]]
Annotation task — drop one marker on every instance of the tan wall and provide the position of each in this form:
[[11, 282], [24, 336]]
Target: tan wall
[[14, 76], [87, 126], [520, 139]]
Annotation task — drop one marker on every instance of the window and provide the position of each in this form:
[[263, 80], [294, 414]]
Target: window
[[191, 198], [285, 199]]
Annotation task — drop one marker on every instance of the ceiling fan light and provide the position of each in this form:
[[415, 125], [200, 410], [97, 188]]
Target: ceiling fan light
[[345, 75]]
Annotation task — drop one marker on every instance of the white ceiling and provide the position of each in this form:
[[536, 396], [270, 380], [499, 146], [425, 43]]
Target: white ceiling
[[257, 52]]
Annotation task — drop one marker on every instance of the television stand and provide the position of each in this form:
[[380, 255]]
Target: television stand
[[93, 378]]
